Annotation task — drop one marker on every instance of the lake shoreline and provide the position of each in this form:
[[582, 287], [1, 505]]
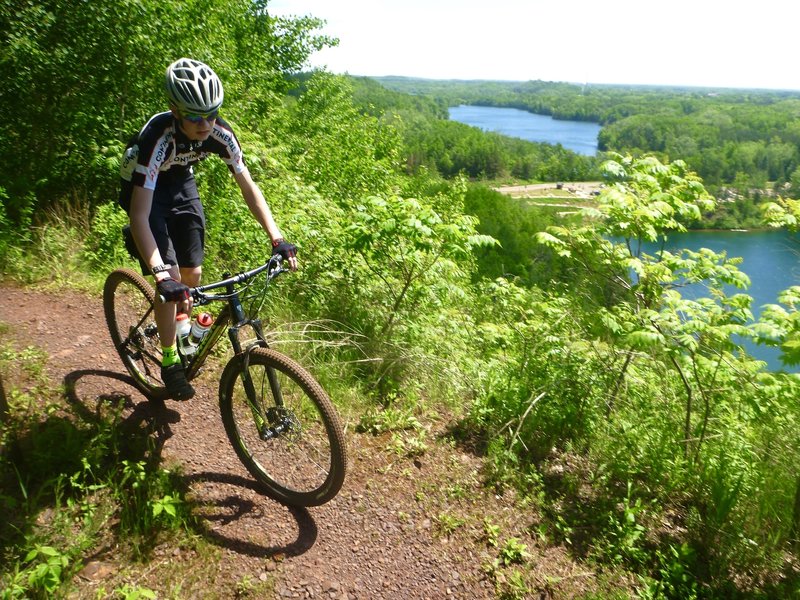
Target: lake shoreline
[[586, 190], [580, 137]]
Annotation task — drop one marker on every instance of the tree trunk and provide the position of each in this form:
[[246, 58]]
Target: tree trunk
[[3, 401]]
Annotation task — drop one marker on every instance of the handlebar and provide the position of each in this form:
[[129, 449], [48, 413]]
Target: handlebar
[[274, 266]]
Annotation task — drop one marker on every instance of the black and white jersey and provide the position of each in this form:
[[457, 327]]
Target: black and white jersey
[[161, 148]]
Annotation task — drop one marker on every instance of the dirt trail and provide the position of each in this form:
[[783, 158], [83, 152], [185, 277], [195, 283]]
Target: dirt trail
[[380, 538]]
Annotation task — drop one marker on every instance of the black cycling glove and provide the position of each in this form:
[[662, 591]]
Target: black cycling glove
[[284, 248], [171, 290]]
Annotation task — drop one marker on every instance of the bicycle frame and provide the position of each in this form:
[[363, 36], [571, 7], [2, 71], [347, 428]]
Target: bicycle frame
[[233, 312]]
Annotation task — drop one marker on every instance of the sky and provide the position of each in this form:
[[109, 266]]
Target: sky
[[706, 43]]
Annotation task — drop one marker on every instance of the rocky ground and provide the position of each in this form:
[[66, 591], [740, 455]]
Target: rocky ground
[[410, 527]]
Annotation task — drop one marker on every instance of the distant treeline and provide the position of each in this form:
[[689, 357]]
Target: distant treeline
[[743, 139], [433, 142]]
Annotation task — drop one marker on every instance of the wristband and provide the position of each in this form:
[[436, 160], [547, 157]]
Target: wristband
[[160, 269]]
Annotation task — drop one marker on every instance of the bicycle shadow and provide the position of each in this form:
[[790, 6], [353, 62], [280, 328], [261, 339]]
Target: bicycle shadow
[[233, 507], [148, 418], [148, 421]]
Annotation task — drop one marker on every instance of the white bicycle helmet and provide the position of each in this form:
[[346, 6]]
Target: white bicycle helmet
[[193, 87]]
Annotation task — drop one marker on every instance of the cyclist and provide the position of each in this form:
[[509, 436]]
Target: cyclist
[[159, 193]]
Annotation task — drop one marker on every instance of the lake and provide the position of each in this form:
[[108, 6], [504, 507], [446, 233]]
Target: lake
[[771, 260], [578, 136]]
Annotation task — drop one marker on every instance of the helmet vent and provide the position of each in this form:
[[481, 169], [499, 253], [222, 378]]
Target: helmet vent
[[193, 86]]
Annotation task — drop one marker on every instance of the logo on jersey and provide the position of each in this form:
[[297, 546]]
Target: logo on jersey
[[159, 158], [226, 138], [161, 151], [129, 160]]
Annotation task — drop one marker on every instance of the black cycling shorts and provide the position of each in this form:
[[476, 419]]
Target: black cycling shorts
[[177, 221]]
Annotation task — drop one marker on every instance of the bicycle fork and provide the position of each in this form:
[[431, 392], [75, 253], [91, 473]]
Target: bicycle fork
[[271, 421]]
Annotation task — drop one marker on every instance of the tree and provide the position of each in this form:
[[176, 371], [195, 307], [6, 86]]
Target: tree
[[644, 202], [411, 258], [81, 77]]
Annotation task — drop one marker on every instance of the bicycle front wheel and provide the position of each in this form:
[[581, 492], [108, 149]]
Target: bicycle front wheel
[[128, 301], [283, 427]]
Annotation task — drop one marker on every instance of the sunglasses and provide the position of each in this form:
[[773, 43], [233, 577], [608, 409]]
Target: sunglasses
[[199, 117]]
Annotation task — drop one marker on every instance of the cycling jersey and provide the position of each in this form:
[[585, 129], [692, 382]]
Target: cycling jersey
[[160, 158], [162, 150]]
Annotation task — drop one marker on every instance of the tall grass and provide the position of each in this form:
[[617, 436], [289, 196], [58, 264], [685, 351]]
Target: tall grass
[[50, 252]]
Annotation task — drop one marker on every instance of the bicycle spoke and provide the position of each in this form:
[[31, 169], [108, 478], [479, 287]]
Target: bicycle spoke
[[283, 427], [297, 458], [128, 306]]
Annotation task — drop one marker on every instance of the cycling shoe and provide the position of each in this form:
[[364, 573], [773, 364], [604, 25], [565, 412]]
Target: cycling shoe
[[174, 378]]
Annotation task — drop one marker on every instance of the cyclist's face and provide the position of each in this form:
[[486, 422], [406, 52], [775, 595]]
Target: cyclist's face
[[195, 129]]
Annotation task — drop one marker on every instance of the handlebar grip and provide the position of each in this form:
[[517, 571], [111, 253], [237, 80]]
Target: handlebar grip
[[163, 300]]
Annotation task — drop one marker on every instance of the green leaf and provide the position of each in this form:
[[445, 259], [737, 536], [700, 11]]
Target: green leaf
[[645, 339]]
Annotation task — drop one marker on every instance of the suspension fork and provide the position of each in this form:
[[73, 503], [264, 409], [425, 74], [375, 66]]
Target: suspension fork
[[272, 376], [247, 380], [253, 397]]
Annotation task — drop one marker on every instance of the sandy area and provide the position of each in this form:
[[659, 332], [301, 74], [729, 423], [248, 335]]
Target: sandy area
[[573, 189]]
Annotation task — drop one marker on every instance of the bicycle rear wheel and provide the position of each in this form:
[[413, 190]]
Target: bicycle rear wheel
[[283, 427], [128, 301]]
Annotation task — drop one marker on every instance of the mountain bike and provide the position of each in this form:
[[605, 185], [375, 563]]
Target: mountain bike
[[281, 423]]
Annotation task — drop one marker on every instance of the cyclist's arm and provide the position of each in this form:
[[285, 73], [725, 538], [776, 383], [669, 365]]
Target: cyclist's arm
[[260, 209], [141, 202]]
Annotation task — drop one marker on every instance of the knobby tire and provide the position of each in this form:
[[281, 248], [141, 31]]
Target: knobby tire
[[304, 464], [127, 298]]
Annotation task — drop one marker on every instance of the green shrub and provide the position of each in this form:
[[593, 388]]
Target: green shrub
[[104, 247]]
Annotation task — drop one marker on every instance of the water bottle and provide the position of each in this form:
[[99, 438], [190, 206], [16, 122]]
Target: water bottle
[[182, 331], [200, 328]]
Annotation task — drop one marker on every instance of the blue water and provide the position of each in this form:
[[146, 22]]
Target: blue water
[[771, 259], [578, 136]]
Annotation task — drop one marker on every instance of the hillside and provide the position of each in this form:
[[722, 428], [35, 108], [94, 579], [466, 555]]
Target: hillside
[[410, 527]]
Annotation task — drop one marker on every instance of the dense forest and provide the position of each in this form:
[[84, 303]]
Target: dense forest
[[629, 417], [744, 144]]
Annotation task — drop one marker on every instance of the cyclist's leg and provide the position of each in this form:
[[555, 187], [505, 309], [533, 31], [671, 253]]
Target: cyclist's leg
[[191, 275], [164, 311], [181, 225], [172, 373], [161, 224], [187, 227]]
